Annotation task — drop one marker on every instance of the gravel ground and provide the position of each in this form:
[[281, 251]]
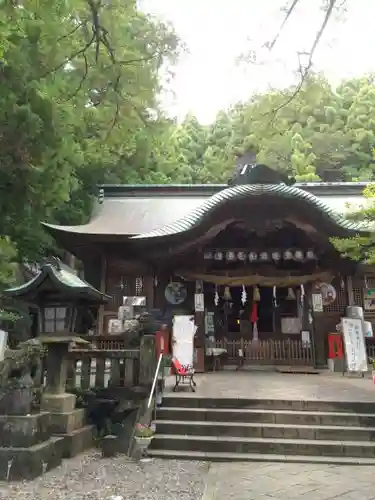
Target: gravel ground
[[90, 477]]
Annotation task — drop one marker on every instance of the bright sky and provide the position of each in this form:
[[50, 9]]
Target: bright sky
[[209, 76]]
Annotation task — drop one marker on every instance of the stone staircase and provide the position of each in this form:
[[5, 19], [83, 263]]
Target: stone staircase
[[265, 430]]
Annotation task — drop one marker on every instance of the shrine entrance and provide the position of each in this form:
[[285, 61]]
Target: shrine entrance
[[260, 325], [257, 284], [251, 259]]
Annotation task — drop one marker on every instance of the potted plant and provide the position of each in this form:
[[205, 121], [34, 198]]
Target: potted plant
[[143, 436]]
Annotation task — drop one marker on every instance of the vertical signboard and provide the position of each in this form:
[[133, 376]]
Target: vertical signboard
[[355, 349]]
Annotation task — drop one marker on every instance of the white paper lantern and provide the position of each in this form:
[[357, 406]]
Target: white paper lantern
[[207, 255], [288, 255], [298, 255], [218, 256], [263, 256], [253, 256], [230, 256], [241, 256], [310, 254], [276, 255]]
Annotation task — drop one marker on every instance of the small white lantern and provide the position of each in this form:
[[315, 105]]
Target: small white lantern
[[288, 255], [298, 255], [253, 256], [230, 256], [241, 256], [310, 254]]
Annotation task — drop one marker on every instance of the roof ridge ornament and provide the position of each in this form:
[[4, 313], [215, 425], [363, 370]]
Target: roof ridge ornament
[[53, 261], [249, 171]]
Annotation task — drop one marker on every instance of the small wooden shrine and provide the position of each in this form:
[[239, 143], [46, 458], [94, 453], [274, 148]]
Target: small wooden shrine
[[252, 260]]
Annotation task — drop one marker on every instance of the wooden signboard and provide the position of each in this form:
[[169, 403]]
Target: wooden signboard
[[354, 342]]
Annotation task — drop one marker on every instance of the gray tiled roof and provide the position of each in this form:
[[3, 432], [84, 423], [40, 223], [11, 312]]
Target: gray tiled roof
[[193, 218], [63, 279]]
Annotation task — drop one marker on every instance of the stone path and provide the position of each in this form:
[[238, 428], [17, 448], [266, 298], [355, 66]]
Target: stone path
[[89, 477], [255, 481], [269, 385]]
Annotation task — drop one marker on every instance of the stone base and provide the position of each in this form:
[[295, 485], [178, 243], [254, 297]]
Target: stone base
[[336, 365], [78, 441], [65, 423], [28, 463], [23, 431], [109, 446], [58, 403]]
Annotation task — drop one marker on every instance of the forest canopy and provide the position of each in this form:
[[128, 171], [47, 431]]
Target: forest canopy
[[79, 93]]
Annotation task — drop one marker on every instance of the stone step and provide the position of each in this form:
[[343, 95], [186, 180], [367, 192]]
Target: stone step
[[245, 429], [190, 400], [267, 416], [226, 444], [256, 457]]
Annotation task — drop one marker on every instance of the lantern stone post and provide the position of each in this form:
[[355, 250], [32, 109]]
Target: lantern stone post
[[59, 293]]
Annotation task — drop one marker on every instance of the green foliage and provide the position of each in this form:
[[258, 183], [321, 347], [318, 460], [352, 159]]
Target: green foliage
[[78, 107], [361, 248], [323, 133], [8, 266]]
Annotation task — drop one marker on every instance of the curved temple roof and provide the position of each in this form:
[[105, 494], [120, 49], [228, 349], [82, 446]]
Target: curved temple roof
[[128, 210], [197, 215], [63, 280]]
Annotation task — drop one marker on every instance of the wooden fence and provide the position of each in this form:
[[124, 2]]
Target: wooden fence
[[106, 362], [268, 352], [101, 368]]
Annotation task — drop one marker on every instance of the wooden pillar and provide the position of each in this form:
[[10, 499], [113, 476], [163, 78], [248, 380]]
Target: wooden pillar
[[149, 289], [317, 332], [103, 290], [349, 286]]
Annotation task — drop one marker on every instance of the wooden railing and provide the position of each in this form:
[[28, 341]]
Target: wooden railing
[[113, 366], [101, 368], [283, 352]]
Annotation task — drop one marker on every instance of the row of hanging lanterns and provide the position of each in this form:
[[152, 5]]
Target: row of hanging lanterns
[[290, 254]]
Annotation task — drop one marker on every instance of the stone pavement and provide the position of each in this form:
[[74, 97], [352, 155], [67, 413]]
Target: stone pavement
[[271, 481], [271, 385]]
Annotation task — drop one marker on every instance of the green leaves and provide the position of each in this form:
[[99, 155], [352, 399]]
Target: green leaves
[[80, 79], [361, 248]]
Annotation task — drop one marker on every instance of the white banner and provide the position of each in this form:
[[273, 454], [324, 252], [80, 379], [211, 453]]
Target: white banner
[[355, 349], [183, 339]]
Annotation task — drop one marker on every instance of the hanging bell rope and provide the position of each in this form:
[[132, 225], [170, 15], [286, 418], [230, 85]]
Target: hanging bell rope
[[227, 294]]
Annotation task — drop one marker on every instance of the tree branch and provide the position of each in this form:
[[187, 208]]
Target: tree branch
[[270, 45], [305, 70]]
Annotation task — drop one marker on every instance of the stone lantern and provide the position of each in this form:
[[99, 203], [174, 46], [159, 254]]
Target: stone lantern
[[59, 293]]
